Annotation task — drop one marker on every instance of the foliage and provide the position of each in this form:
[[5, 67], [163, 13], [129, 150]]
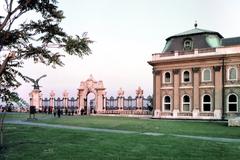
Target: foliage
[[150, 104], [33, 39]]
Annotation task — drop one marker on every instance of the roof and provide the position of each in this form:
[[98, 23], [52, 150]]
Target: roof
[[193, 32], [231, 41]]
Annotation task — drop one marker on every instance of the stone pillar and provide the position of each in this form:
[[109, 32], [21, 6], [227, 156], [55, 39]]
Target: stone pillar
[[35, 98], [40, 102], [100, 100], [104, 101], [65, 101], [218, 92], [156, 93], [196, 96], [120, 99], [52, 96], [139, 97], [176, 104]]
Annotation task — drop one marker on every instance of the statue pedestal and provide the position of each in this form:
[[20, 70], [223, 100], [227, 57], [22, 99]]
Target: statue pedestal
[[35, 99]]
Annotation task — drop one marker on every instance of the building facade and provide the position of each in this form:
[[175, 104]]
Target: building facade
[[197, 76]]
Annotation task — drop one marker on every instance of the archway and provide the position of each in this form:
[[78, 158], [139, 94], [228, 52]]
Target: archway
[[91, 102], [88, 88]]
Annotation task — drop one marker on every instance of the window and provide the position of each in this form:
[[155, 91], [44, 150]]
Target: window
[[206, 101], [186, 76], [187, 44], [186, 103], [167, 77], [232, 73], [167, 103], [232, 103], [206, 75]]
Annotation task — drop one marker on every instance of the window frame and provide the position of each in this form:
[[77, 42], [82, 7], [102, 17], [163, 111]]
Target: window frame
[[164, 77], [207, 103], [190, 74], [188, 47], [183, 103], [228, 74], [203, 75], [232, 102], [164, 103]]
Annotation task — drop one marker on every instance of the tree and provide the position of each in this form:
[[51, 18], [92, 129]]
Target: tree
[[11, 97], [31, 39]]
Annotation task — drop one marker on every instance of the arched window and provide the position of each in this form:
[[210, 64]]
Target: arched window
[[186, 76], [207, 103], [167, 77], [232, 73], [167, 103], [187, 44], [186, 103], [232, 103], [206, 75]]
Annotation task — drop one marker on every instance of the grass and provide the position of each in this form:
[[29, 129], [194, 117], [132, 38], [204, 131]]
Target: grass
[[27, 143], [23, 116], [185, 127], [199, 128]]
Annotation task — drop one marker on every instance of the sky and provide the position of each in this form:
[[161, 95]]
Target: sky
[[126, 34]]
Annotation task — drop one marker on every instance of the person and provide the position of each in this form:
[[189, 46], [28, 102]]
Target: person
[[66, 111], [55, 112], [82, 110], [58, 112]]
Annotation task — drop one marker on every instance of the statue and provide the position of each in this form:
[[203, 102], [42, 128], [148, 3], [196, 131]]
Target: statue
[[120, 92], [35, 82]]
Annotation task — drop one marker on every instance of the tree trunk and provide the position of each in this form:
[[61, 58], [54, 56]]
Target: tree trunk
[[1, 128], [3, 65], [1, 143]]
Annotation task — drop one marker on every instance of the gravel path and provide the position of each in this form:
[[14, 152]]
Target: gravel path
[[215, 139]]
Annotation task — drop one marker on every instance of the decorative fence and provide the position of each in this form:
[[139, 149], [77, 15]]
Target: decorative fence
[[100, 104], [129, 105], [66, 105]]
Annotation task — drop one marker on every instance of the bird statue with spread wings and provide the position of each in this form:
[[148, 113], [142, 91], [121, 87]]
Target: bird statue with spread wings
[[35, 82]]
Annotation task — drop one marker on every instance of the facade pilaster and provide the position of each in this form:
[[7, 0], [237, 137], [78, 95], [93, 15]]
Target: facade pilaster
[[157, 94], [176, 104], [218, 92], [196, 96]]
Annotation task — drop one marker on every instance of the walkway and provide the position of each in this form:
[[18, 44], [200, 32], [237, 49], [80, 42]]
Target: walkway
[[215, 139]]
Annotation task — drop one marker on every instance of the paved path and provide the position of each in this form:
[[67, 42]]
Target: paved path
[[215, 139]]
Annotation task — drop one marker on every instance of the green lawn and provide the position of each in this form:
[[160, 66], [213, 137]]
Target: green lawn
[[185, 127], [27, 143], [200, 128], [23, 116]]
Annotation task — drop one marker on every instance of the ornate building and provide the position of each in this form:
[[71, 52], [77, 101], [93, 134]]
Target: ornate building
[[197, 76]]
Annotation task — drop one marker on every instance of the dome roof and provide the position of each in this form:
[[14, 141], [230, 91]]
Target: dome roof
[[194, 31], [192, 39]]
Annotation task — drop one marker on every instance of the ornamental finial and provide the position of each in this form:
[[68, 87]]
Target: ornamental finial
[[195, 24]]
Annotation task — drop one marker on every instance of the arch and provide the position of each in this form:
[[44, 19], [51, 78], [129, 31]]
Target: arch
[[91, 86], [232, 73], [186, 76], [167, 77], [91, 102], [187, 44], [167, 103], [186, 103], [232, 102], [206, 103], [206, 75]]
